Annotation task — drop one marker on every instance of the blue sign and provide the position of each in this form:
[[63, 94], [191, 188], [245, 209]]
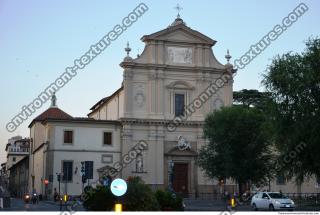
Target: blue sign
[[106, 182], [118, 187]]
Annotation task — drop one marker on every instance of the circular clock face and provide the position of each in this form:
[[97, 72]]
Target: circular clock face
[[118, 187]]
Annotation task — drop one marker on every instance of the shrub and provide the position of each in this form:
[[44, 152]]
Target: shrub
[[99, 199], [139, 196], [169, 201]]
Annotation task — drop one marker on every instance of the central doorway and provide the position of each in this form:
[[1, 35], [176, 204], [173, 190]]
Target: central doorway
[[180, 178]]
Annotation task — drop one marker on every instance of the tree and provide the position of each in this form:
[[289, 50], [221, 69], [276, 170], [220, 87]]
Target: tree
[[238, 146], [293, 81], [251, 98]]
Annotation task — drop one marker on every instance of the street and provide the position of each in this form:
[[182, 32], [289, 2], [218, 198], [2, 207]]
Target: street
[[217, 205], [210, 205], [19, 205]]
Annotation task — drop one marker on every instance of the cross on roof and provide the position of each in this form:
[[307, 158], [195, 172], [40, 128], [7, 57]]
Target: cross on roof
[[178, 8]]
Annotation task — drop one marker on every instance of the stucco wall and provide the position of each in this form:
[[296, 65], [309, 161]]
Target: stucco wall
[[87, 146]]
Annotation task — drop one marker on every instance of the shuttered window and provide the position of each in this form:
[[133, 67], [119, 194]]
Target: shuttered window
[[68, 137], [89, 169], [107, 138], [67, 167]]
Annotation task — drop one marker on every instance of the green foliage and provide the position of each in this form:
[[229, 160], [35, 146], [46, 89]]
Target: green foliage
[[294, 83], [238, 147], [99, 199], [251, 98], [139, 196], [169, 201]]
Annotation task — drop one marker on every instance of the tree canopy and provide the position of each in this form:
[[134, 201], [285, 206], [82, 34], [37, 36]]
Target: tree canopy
[[293, 81], [238, 145], [251, 98]]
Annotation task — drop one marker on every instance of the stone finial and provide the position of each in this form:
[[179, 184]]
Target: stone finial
[[128, 49], [228, 56]]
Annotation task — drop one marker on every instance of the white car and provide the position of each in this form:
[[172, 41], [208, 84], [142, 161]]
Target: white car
[[271, 201]]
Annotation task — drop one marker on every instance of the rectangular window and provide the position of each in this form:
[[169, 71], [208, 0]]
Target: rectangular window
[[281, 179], [88, 169], [107, 138], [179, 104], [14, 159], [67, 170], [68, 137], [318, 180]]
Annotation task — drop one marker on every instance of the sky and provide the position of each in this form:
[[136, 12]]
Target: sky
[[40, 38]]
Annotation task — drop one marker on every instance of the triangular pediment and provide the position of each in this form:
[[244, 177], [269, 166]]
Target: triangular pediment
[[180, 33]]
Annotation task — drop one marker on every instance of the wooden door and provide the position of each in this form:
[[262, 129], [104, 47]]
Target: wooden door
[[180, 178]]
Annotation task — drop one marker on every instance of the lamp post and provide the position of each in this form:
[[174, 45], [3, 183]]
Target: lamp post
[[170, 174], [59, 180]]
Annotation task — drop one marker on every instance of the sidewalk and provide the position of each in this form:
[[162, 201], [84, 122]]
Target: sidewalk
[[210, 205], [20, 205], [66, 206]]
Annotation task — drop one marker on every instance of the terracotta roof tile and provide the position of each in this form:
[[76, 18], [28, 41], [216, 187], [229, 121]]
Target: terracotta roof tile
[[52, 113]]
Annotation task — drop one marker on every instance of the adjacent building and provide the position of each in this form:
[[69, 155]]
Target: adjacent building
[[15, 171], [17, 148], [18, 178], [59, 145]]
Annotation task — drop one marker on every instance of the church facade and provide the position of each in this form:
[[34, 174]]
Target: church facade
[[176, 67]]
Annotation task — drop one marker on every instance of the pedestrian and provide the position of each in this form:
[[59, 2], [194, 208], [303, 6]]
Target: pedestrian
[[55, 195]]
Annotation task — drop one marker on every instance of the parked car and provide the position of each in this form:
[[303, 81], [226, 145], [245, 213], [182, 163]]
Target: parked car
[[271, 201]]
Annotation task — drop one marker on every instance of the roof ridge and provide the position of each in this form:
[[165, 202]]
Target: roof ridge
[[51, 113]]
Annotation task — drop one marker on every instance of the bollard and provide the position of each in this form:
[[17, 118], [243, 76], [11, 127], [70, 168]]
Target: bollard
[[233, 203], [118, 207]]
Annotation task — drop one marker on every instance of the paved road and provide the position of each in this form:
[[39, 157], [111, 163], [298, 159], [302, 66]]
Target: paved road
[[216, 205], [19, 205], [191, 205]]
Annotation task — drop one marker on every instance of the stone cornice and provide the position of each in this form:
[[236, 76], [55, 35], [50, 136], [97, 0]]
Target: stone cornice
[[159, 122], [164, 67]]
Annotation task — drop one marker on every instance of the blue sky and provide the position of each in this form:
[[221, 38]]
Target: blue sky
[[39, 39]]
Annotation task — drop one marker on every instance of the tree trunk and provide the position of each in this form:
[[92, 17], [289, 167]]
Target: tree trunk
[[242, 187]]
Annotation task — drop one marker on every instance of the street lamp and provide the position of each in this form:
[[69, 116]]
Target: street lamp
[[170, 174], [59, 180]]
